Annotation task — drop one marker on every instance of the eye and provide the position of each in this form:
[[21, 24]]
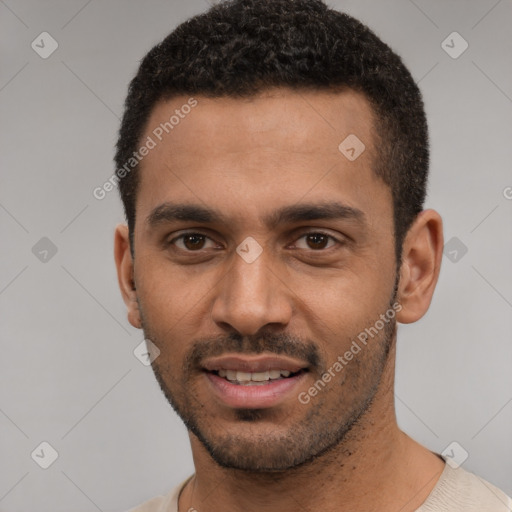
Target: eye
[[317, 241], [192, 242]]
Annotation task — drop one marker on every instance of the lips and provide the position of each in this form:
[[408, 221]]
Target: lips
[[254, 364], [253, 382]]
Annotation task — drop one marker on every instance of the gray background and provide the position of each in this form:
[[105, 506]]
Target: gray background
[[68, 373]]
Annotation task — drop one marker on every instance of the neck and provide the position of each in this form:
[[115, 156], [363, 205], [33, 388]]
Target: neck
[[375, 462]]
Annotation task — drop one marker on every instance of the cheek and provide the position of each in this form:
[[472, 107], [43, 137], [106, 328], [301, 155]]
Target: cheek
[[174, 301], [337, 308], [157, 294], [346, 294]]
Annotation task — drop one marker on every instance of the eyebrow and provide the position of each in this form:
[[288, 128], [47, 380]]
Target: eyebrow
[[170, 212]]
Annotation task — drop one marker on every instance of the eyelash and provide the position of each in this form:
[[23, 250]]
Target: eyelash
[[316, 232]]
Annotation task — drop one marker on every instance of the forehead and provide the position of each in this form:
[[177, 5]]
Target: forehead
[[276, 119], [252, 153]]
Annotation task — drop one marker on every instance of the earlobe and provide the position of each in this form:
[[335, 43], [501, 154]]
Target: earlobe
[[125, 274], [421, 261]]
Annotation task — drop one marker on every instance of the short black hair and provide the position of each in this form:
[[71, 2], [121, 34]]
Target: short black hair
[[239, 48]]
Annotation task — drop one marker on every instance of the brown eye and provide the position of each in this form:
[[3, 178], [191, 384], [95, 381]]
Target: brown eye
[[193, 242], [316, 241]]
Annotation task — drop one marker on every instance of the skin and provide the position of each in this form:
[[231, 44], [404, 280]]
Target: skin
[[247, 158]]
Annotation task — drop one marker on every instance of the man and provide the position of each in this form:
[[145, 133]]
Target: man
[[272, 162]]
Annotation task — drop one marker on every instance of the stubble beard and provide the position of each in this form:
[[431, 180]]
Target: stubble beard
[[325, 425]]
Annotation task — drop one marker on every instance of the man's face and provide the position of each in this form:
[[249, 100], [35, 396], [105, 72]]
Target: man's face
[[222, 312]]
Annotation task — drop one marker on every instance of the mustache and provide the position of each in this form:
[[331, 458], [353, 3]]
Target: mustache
[[275, 343]]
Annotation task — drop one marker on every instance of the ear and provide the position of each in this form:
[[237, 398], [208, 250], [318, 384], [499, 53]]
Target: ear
[[125, 274], [422, 253]]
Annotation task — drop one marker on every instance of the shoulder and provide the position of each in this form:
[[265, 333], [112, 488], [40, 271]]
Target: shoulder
[[167, 503], [460, 490]]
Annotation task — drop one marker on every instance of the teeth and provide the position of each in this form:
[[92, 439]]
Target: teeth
[[260, 376], [234, 375], [243, 376]]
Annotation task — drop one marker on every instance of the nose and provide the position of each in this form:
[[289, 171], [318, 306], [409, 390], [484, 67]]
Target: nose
[[252, 296]]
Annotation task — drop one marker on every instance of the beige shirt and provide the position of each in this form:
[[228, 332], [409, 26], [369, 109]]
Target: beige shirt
[[457, 490]]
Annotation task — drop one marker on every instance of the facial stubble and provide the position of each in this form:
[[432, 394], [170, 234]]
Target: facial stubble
[[263, 440]]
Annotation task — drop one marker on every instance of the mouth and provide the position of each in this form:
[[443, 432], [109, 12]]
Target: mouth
[[242, 378], [253, 382]]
